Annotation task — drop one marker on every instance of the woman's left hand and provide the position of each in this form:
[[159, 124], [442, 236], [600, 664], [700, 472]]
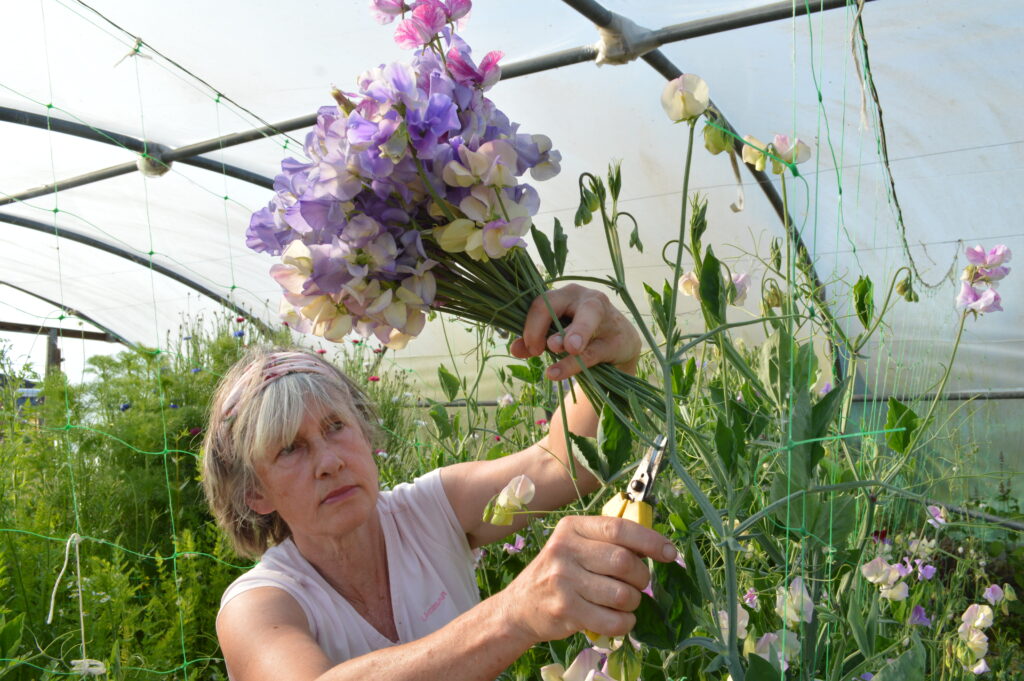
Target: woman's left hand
[[596, 333]]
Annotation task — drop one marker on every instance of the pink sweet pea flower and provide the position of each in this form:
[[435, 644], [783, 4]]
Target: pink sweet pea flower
[[972, 299], [741, 282], [750, 597], [385, 11], [465, 72], [980, 668], [585, 666], [992, 258], [421, 27]]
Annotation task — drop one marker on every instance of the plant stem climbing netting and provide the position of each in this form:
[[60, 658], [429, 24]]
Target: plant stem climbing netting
[[785, 391]]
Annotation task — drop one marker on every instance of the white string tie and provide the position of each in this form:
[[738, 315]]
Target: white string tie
[[75, 539], [88, 667], [622, 41]]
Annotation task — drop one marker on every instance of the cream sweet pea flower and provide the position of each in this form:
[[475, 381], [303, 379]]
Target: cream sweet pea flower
[[742, 620], [586, 664], [511, 500], [897, 592], [689, 285], [794, 604], [685, 97], [977, 616], [791, 151], [753, 152]]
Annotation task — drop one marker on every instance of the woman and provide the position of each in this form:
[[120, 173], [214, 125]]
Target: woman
[[357, 583]]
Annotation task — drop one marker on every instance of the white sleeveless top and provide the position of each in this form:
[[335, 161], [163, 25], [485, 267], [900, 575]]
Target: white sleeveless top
[[430, 565]]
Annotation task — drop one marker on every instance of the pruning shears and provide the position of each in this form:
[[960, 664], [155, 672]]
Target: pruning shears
[[636, 503]]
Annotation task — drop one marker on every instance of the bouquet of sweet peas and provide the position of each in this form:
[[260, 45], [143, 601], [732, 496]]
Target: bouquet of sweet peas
[[410, 199], [407, 180]]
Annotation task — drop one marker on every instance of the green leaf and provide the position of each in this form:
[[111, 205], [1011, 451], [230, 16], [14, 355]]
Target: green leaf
[[561, 248], [859, 631], [544, 250], [760, 669], [726, 443], [440, 417], [657, 305], [10, 635], [907, 667], [687, 377], [614, 440], [678, 597], [651, 628], [900, 416], [823, 413], [526, 373], [712, 291], [592, 456], [508, 416], [864, 300], [449, 382]]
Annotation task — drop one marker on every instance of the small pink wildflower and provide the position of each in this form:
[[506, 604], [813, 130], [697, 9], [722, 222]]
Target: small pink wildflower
[[516, 546], [993, 594], [373, 379]]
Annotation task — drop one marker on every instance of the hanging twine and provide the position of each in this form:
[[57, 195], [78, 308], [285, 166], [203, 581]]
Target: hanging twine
[[84, 666]]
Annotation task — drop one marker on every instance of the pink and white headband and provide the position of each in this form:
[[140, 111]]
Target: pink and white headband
[[276, 365]]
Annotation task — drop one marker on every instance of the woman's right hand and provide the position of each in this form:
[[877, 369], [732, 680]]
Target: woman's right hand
[[588, 576]]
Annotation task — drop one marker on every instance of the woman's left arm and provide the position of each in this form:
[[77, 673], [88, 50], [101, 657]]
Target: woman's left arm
[[596, 333]]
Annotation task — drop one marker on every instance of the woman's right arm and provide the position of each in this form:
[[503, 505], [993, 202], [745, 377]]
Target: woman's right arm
[[588, 576]]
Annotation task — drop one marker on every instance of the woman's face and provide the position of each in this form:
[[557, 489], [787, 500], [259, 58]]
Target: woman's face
[[322, 484]]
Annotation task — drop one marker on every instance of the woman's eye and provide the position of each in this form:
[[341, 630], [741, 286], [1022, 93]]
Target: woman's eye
[[335, 426], [286, 450]]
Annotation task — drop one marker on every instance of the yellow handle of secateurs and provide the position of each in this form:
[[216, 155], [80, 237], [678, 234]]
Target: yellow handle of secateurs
[[620, 506]]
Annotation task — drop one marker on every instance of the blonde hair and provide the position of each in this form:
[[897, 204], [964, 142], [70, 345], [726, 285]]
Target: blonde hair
[[258, 407]]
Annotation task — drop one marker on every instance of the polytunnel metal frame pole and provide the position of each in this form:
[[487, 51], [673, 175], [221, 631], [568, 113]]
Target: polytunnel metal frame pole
[[34, 120], [137, 258], [71, 312]]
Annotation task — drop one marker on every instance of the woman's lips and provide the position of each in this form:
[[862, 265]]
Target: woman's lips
[[339, 494]]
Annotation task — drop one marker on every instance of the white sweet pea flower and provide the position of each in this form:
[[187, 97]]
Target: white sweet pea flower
[[506, 400], [778, 648], [685, 97], [977, 642]]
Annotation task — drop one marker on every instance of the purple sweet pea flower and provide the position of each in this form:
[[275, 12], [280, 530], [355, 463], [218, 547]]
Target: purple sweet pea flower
[[516, 546], [924, 572], [428, 124], [992, 258], [979, 301], [993, 594], [919, 617], [938, 516], [867, 676]]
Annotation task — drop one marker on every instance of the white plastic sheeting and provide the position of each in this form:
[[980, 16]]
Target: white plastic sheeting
[[948, 77]]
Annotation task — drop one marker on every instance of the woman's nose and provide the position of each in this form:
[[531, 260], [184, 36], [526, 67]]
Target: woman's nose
[[329, 458]]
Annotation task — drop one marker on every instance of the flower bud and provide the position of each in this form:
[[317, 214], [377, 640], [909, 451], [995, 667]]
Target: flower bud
[[716, 140]]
